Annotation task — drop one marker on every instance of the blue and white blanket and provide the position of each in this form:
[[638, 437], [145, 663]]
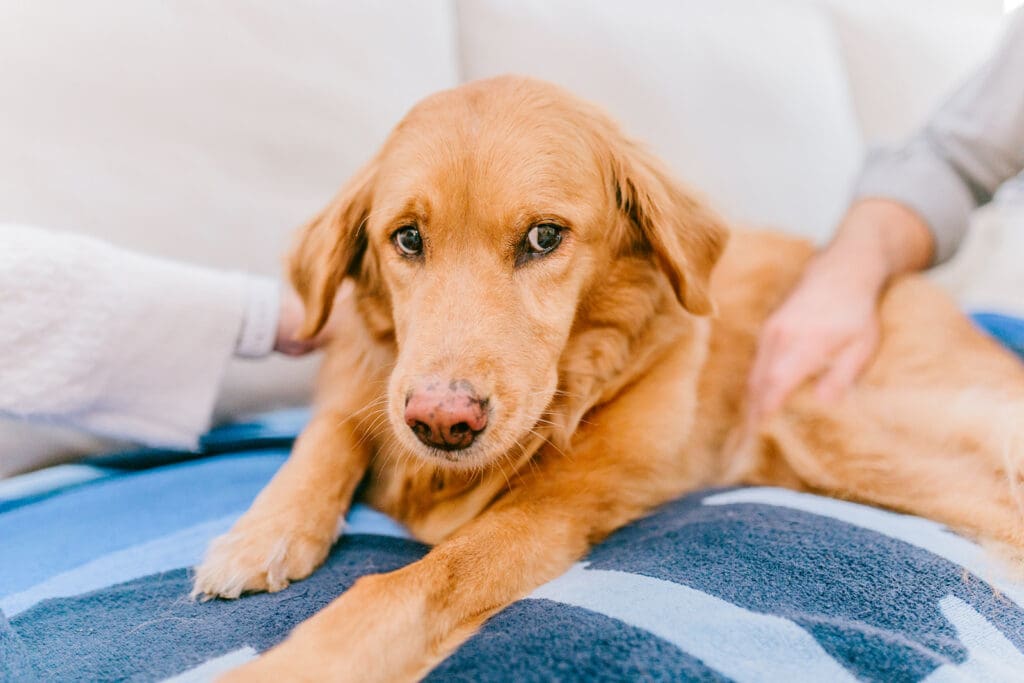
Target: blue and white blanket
[[753, 584]]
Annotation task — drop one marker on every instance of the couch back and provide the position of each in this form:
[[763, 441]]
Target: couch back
[[207, 131]]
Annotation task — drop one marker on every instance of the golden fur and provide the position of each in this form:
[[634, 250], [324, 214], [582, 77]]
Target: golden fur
[[612, 388]]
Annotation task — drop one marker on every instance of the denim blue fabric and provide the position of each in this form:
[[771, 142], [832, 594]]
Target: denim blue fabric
[[1009, 330]]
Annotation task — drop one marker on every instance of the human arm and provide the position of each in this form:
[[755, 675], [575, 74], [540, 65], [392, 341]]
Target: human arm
[[121, 344], [910, 210], [970, 146]]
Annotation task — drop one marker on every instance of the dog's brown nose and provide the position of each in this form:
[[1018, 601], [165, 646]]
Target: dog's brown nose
[[446, 415]]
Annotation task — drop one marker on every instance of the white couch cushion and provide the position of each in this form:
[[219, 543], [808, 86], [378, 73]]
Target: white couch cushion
[[986, 274], [747, 100], [205, 132], [903, 57]]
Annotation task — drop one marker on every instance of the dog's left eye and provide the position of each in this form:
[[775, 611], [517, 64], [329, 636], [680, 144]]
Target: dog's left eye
[[543, 238], [408, 240]]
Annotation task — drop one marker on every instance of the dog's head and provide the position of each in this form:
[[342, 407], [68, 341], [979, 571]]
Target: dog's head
[[477, 236]]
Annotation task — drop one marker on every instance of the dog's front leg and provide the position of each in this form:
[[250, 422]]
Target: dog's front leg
[[398, 626], [290, 527]]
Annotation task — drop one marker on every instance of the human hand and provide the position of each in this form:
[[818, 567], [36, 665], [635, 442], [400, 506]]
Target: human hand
[[828, 325], [827, 328], [292, 316]]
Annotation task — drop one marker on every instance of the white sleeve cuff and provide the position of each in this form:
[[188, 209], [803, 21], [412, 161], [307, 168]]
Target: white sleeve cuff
[[258, 333]]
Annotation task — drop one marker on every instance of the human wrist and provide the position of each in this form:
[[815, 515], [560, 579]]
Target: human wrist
[[877, 240], [854, 264], [891, 234]]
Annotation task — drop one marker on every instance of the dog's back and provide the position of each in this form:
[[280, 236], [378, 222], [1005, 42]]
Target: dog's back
[[935, 426]]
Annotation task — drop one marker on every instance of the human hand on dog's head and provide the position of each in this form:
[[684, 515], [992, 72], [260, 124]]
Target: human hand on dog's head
[[292, 317]]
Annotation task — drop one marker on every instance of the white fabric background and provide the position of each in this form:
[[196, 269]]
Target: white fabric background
[[208, 131]]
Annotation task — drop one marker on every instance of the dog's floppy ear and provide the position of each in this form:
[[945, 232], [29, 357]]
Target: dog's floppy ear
[[330, 247], [685, 235]]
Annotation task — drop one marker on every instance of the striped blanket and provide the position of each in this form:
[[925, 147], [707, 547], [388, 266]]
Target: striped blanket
[[754, 584]]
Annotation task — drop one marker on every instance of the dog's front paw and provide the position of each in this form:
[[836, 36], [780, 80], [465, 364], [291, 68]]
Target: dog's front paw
[[259, 556]]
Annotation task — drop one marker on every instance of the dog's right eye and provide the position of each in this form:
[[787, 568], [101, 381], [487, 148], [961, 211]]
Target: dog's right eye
[[408, 241]]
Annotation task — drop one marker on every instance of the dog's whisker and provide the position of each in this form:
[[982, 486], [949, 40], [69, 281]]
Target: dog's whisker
[[373, 404], [373, 417], [555, 446], [378, 418]]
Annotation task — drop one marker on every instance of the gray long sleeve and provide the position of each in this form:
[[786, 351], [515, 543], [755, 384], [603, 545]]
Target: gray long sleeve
[[971, 145]]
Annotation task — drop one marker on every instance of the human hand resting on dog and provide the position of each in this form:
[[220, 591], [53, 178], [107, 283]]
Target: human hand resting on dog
[[828, 325]]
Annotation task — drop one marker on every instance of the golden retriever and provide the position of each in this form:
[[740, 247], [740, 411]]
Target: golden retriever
[[548, 338]]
